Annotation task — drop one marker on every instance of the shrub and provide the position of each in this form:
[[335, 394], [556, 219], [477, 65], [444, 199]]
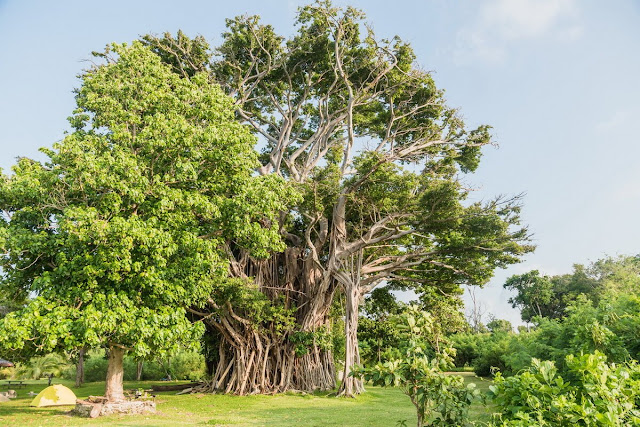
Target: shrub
[[466, 345], [592, 393], [186, 365], [492, 350], [442, 399], [69, 373], [95, 366], [7, 373], [39, 366]]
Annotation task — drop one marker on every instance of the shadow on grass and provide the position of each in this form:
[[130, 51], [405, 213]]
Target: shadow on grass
[[16, 407]]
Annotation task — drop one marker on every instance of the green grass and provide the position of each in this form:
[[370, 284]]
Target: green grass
[[377, 407], [478, 412]]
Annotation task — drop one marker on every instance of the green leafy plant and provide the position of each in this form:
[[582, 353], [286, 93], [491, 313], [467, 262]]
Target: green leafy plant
[[592, 393], [38, 367], [119, 233], [440, 399]]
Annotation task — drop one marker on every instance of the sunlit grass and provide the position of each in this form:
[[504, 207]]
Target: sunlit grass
[[377, 407]]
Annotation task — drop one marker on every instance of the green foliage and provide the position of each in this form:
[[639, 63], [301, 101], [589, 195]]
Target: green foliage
[[244, 295], [188, 365], [591, 393], [95, 368], [378, 335], [439, 399], [509, 353], [610, 324], [610, 328], [304, 341], [7, 373], [492, 349], [535, 296], [549, 296], [378, 339], [120, 230], [380, 330], [486, 352], [37, 367], [184, 365], [467, 346], [337, 331], [499, 325]]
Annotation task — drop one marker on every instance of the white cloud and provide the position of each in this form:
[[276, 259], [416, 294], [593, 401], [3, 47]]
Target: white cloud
[[522, 19], [502, 23]]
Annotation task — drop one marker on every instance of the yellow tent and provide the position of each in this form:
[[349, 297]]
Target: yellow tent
[[54, 395]]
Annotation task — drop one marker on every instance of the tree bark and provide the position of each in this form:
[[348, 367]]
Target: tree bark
[[253, 361], [172, 387], [264, 358], [114, 390], [351, 386], [139, 371], [80, 368]]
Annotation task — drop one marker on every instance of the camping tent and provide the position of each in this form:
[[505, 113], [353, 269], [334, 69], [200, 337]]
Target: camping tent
[[54, 395]]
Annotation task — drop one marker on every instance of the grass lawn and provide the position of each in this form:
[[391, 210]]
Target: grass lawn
[[377, 407]]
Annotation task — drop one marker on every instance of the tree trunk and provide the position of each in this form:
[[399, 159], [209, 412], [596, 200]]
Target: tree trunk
[[262, 357], [351, 386], [114, 390], [80, 368], [257, 363], [139, 371]]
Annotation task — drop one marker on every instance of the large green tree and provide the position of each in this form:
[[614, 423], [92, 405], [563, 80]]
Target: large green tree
[[367, 138], [549, 296], [124, 226]]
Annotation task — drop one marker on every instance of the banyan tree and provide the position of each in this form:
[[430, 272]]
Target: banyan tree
[[366, 140]]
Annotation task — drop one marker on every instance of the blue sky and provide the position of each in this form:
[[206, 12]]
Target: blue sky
[[557, 80]]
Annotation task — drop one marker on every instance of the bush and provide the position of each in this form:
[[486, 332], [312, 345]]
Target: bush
[[152, 370], [69, 373], [95, 366], [466, 345], [510, 353], [6, 373], [187, 365], [592, 393], [492, 349], [439, 399], [40, 366]]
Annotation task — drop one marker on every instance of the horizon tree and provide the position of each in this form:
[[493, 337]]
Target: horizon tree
[[538, 295]]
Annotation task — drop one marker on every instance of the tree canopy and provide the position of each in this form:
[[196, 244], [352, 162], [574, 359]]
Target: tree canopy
[[159, 204], [121, 229], [368, 139], [549, 296]]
